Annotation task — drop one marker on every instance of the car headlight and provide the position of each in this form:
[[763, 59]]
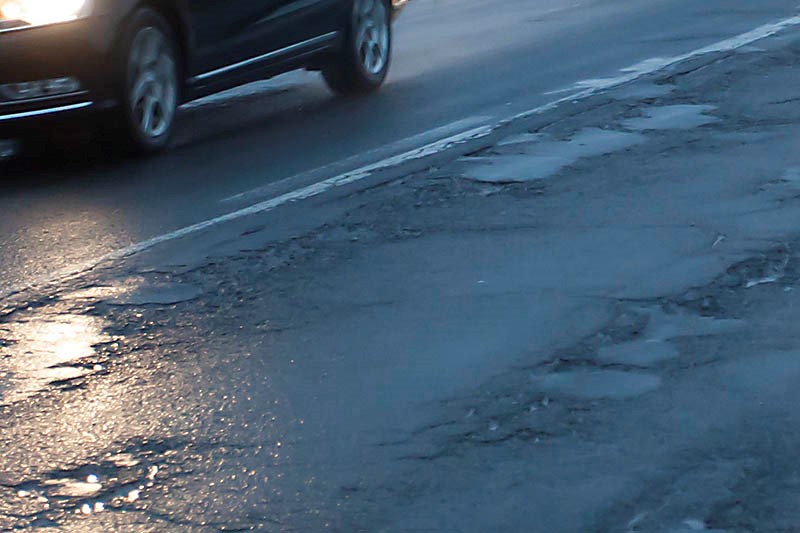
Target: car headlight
[[40, 12]]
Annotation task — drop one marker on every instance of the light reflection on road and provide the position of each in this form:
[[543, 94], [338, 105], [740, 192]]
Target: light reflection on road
[[37, 350], [42, 349]]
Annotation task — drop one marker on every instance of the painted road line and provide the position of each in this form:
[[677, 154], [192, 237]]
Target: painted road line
[[644, 68], [590, 87], [404, 148]]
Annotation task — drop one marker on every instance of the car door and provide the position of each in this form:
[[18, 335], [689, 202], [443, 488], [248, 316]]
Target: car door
[[296, 21], [229, 32]]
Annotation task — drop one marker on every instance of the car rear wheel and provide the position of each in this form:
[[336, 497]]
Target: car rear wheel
[[363, 62], [150, 83]]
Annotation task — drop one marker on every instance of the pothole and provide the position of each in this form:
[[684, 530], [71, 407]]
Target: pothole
[[665, 326]]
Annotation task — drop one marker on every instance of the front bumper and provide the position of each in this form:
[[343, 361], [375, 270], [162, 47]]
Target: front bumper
[[81, 49]]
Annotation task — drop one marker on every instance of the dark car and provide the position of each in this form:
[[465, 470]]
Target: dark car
[[128, 64]]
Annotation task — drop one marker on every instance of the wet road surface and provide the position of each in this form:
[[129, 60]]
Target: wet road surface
[[458, 63], [605, 341]]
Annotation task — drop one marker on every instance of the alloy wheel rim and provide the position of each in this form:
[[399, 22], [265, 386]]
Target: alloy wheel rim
[[372, 34], [152, 74]]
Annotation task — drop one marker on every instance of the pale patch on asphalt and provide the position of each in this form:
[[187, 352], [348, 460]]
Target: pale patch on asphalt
[[693, 524], [664, 326], [597, 384], [656, 342], [539, 160], [672, 117], [643, 353]]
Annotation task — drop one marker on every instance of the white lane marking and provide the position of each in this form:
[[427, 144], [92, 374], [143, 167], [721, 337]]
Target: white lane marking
[[654, 64], [646, 67], [403, 145]]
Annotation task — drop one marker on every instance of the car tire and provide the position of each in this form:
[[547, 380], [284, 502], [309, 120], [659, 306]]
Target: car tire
[[362, 63], [149, 84]]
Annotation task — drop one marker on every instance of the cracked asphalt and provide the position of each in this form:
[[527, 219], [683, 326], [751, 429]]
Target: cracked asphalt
[[590, 326]]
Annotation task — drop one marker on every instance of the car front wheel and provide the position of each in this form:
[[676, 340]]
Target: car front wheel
[[149, 83], [363, 62]]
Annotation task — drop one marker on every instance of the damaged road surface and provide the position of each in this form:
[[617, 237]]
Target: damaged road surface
[[589, 326]]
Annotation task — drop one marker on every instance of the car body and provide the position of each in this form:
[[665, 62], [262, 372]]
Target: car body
[[53, 68]]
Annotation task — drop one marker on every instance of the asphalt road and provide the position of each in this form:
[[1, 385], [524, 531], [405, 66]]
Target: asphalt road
[[458, 63], [588, 329]]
